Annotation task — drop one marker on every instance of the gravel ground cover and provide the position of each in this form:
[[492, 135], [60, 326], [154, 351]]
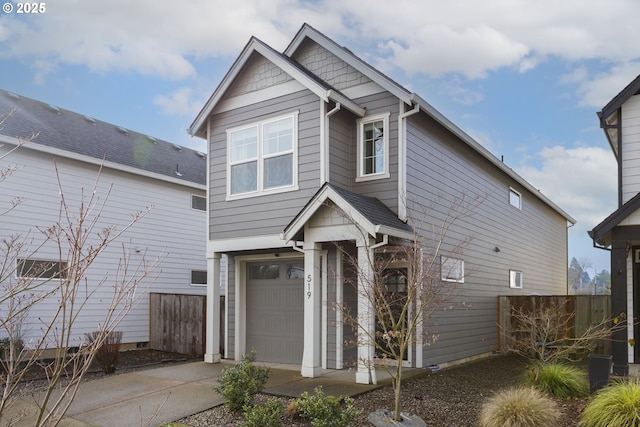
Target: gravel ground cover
[[448, 398]]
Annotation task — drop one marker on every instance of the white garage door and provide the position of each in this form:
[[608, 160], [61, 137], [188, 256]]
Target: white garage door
[[275, 311]]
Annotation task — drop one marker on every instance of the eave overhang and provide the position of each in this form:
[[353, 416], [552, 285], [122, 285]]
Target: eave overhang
[[371, 215], [601, 233]]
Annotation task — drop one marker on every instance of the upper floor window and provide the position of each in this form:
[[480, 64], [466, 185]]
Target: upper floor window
[[373, 147], [262, 157], [515, 199], [515, 279]]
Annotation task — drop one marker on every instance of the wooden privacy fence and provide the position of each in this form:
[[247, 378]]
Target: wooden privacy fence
[[586, 309]]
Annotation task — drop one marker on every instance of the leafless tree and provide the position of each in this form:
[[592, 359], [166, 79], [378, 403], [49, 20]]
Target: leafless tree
[[79, 238], [406, 284]]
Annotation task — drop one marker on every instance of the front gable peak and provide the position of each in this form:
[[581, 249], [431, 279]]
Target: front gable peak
[[269, 58]]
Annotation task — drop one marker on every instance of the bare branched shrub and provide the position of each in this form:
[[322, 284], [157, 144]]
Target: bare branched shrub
[[546, 334], [78, 237], [405, 283], [108, 353]]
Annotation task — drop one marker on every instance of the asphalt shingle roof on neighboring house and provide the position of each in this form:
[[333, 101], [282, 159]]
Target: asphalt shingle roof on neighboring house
[[75, 133]]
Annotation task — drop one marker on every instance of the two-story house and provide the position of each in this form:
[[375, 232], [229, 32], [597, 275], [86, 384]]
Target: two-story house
[[620, 231], [136, 171], [314, 146]]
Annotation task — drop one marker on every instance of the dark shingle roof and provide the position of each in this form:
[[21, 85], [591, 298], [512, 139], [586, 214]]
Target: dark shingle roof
[[65, 130], [372, 209]]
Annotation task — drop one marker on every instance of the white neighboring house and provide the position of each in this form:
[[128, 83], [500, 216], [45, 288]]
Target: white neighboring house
[[143, 171]]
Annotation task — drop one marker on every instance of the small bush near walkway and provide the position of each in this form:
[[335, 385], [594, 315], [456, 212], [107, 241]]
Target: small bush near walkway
[[238, 384], [267, 415], [519, 407], [325, 411]]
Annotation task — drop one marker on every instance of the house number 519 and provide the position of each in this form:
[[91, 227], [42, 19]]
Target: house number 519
[[309, 280]]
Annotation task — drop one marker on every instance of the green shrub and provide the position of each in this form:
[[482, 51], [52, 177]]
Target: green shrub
[[326, 411], [617, 405], [238, 384], [558, 380], [267, 415], [521, 407]]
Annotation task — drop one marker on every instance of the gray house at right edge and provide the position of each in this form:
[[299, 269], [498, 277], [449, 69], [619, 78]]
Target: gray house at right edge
[[313, 146], [620, 231]]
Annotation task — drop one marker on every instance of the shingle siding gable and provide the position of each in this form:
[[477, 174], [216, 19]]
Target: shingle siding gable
[[258, 74], [328, 67]]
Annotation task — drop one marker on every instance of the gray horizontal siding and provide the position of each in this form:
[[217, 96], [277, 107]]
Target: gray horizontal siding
[[268, 214], [532, 240], [171, 230], [342, 149]]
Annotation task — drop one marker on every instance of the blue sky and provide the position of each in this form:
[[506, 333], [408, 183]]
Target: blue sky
[[524, 78]]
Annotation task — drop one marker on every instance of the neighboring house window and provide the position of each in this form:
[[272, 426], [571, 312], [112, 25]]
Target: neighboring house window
[[373, 148], [515, 279], [262, 157], [451, 269], [198, 203], [199, 277], [41, 269], [515, 199]]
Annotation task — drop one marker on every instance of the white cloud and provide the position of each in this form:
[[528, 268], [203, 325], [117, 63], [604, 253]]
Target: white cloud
[[582, 181], [598, 89], [432, 37], [180, 102]]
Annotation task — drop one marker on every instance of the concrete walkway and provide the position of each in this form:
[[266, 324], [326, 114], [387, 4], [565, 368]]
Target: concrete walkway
[[160, 395]]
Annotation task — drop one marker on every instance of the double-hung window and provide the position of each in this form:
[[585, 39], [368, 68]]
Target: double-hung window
[[373, 147], [263, 157]]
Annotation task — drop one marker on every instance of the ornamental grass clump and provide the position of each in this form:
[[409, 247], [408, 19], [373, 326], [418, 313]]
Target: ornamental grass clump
[[519, 407], [558, 380], [238, 384], [617, 405]]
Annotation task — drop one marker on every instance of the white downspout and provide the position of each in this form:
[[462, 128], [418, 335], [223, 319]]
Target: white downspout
[[402, 160], [324, 138]]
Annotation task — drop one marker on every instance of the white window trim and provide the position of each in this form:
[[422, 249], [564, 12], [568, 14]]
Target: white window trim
[[512, 279], [517, 193], [444, 260], [18, 271], [198, 285], [361, 122], [260, 159]]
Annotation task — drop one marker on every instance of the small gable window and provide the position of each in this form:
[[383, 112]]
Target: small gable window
[[262, 157], [515, 199], [515, 279], [373, 147]]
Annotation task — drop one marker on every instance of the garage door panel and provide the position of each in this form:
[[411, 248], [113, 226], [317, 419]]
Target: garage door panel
[[275, 316]]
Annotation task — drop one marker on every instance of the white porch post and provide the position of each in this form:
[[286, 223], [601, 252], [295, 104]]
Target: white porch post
[[366, 318], [212, 354], [311, 361]]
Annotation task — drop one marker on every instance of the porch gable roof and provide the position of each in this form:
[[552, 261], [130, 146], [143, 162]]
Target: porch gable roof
[[367, 212], [601, 233]]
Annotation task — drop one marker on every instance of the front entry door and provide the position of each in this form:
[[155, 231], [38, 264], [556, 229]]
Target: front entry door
[[395, 296]]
